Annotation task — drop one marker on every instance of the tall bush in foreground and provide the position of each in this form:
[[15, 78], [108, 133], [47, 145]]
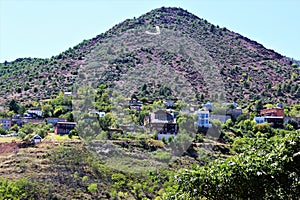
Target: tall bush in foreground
[[265, 169]]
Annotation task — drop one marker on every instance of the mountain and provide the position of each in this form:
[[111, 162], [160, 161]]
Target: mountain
[[164, 47]]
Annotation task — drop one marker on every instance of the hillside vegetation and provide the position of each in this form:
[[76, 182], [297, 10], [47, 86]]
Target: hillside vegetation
[[215, 62]]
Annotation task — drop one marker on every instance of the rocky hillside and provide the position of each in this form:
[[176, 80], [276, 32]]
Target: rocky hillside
[[165, 47]]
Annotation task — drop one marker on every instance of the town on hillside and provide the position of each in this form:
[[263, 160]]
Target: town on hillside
[[161, 117]]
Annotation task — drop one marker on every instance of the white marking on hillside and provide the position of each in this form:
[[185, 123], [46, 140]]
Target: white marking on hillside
[[156, 33]]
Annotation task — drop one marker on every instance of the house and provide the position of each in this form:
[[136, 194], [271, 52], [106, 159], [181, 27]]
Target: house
[[64, 127], [95, 113], [25, 120], [101, 114], [67, 94], [279, 112], [203, 119], [16, 120], [135, 105], [36, 139], [167, 131], [6, 123], [259, 120], [54, 120], [164, 122], [208, 106], [274, 121], [38, 113], [273, 116], [169, 104]]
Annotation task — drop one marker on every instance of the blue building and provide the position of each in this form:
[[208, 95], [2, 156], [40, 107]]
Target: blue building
[[203, 119]]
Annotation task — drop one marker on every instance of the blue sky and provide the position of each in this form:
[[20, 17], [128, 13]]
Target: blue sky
[[43, 28]]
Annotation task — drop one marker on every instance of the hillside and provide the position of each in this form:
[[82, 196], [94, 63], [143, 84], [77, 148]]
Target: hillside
[[213, 63]]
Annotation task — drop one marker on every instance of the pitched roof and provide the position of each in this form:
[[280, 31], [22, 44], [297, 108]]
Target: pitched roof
[[37, 136]]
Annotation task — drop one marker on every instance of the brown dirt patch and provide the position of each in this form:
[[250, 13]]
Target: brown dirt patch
[[8, 147]]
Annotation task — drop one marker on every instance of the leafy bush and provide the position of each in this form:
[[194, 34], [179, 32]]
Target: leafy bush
[[17, 189], [265, 169], [93, 187]]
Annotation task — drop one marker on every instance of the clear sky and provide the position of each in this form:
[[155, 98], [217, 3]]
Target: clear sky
[[43, 28]]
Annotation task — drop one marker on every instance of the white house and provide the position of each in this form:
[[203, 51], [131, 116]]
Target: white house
[[95, 112], [101, 114], [67, 94], [36, 139], [203, 119], [36, 112]]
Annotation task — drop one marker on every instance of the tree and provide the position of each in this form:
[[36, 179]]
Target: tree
[[47, 110], [28, 128], [70, 117], [18, 90], [13, 106], [14, 128], [3, 131], [279, 90], [293, 123], [258, 106], [42, 129], [72, 133], [106, 121]]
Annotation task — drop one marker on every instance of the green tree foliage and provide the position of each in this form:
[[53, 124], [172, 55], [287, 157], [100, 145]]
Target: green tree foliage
[[3, 131], [119, 180], [47, 110], [102, 101], [88, 129], [17, 189], [13, 106], [93, 187], [106, 121], [264, 169], [30, 129], [72, 133], [258, 106], [165, 91], [14, 128]]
